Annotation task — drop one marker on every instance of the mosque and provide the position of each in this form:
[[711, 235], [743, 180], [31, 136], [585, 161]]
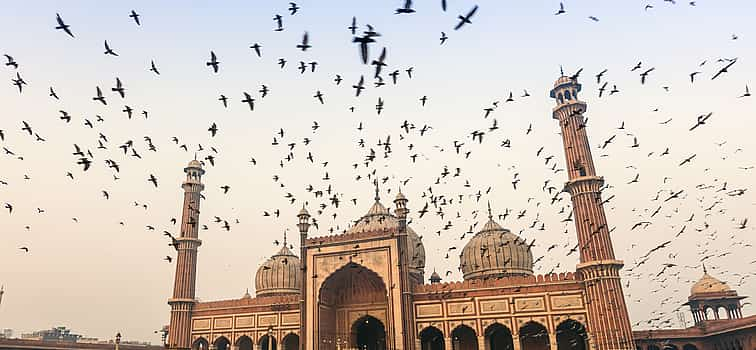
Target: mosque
[[366, 288]]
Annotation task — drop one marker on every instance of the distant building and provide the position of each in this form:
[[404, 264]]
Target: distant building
[[6, 333], [57, 334], [719, 322]]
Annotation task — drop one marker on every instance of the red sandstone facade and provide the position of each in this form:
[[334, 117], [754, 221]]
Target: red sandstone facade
[[364, 289]]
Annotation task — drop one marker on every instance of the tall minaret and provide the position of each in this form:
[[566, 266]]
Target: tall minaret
[[304, 226], [182, 302], [608, 321], [407, 311]]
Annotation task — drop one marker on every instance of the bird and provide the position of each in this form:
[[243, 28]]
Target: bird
[[465, 19], [225, 188], [423, 100], [168, 259], [256, 47], [135, 16], [443, 38], [724, 69], [224, 100], [63, 26], [11, 62], [701, 120], [645, 74], [25, 249], [379, 63], [153, 68], [119, 88], [249, 101], [293, 8], [108, 50], [213, 62], [279, 22], [153, 179], [353, 27], [747, 93], [99, 96], [213, 130], [55, 96], [363, 41], [593, 18], [407, 8], [692, 76], [359, 87], [561, 9], [319, 96], [305, 42], [687, 160]]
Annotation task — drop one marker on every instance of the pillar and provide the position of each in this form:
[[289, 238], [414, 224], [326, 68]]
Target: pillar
[[481, 343], [448, 343], [553, 341]]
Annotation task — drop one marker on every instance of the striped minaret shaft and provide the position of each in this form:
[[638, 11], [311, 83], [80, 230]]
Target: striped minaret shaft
[[407, 311], [608, 320], [182, 302]]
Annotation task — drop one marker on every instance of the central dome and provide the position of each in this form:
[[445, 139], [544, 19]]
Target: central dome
[[708, 284], [279, 275], [495, 252], [379, 218]]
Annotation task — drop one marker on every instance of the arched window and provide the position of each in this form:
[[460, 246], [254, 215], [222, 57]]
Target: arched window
[[567, 95], [290, 342], [709, 313], [431, 338], [244, 343], [464, 338], [498, 337], [534, 336], [560, 98], [266, 342], [200, 344], [222, 343], [571, 335]]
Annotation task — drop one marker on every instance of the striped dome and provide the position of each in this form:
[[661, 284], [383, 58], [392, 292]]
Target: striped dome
[[495, 252], [279, 275]]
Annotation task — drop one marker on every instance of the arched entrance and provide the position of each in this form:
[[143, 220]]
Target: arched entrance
[[200, 344], [571, 335], [267, 342], [498, 337], [290, 342], [534, 336], [244, 343], [464, 338], [352, 289], [431, 338], [222, 343], [368, 333]]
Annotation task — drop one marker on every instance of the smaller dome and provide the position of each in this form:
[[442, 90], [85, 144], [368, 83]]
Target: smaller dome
[[279, 275], [303, 212], [435, 278], [495, 252], [708, 284], [400, 196], [194, 164]]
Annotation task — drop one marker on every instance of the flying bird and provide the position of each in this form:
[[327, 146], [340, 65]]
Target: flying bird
[[407, 8], [135, 16], [108, 50], [62, 25], [305, 42], [465, 19], [213, 62]]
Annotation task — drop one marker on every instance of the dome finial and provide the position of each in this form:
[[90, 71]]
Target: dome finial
[[704, 267], [561, 70], [377, 190], [490, 214], [284, 240]]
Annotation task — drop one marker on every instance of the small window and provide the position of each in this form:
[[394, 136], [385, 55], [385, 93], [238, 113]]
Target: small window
[[567, 95]]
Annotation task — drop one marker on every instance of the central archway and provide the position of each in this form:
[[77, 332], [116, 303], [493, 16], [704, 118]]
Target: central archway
[[348, 298], [368, 333]]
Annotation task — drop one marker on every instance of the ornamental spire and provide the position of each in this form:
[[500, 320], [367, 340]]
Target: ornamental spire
[[490, 214], [377, 191]]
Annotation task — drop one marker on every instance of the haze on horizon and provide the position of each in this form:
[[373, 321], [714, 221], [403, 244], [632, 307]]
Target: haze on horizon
[[104, 272]]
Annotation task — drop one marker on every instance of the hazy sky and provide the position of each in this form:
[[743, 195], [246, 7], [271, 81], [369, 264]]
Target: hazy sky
[[105, 273]]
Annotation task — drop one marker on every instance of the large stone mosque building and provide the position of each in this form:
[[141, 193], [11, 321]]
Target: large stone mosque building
[[366, 289]]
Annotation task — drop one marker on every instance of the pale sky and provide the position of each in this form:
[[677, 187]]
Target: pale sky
[[98, 276]]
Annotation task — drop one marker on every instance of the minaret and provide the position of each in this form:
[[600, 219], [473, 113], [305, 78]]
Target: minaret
[[182, 302], [608, 321], [304, 226], [407, 312]]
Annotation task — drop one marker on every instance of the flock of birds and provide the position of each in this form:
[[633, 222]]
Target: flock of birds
[[438, 197]]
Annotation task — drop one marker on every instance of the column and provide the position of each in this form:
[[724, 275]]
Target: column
[[553, 341], [516, 341], [481, 343], [448, 343]]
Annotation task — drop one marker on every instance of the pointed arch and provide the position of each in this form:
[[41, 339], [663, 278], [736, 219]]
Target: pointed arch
[[571, 334], [534, 336], [290, 341], [222, 343], [200, 344], [498, 337], [244, 342], [266, 342], [464, 338], [431, 338]]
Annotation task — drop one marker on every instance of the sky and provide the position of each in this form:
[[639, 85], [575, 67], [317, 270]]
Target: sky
[[104, 272]]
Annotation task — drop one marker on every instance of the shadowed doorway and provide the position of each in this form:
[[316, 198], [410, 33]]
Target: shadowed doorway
[[369, 334]]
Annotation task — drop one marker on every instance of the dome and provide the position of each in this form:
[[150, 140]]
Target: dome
[[279, 275], [495, 252], [708, 284], [378, 218], [194, 164]]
